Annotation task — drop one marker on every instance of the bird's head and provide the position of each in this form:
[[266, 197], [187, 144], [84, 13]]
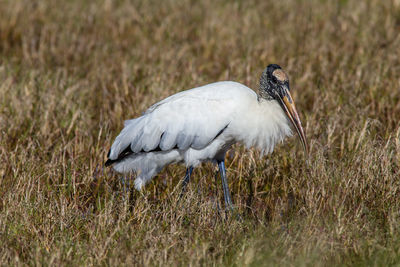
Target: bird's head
[[274, 85]]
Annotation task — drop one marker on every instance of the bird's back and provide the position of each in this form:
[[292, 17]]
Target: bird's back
[[213, 92]]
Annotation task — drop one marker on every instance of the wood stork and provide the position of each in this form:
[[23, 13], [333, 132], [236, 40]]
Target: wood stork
[[201, 124]]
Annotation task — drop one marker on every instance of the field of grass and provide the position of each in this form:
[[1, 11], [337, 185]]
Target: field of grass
[[72, 71]]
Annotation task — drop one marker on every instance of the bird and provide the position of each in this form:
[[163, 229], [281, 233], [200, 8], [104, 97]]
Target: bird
[[202, 124]]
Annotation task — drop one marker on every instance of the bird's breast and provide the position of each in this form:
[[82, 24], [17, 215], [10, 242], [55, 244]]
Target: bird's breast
[[261, 124]]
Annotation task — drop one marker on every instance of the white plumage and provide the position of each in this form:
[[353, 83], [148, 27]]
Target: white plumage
[[201, 124], [185, 127]]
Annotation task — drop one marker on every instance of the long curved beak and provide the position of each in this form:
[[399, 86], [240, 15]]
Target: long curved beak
[[289, 107]]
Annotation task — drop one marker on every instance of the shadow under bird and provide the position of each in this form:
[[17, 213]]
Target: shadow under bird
[[201, 124]]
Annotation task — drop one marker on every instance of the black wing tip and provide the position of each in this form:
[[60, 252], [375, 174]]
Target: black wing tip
[[126, 152], [109, 162]]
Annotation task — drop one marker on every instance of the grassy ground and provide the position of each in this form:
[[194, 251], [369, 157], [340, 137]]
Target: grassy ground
[[72, 71]]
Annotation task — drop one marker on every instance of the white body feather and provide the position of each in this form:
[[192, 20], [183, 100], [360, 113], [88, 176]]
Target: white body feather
[[197, 125]]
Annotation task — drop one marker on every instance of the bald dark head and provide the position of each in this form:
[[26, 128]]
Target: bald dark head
[[272, 80]]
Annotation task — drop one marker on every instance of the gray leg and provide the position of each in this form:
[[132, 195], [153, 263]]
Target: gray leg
[[227, 196], [216, 192], [186, 180], [125, 183]]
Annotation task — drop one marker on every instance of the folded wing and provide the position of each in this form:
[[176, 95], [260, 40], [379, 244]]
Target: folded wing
[[191, 119]]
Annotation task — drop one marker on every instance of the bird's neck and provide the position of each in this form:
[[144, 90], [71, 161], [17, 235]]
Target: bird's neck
[[263, 95]]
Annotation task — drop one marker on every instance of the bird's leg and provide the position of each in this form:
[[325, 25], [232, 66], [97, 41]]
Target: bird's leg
[[125, 183], [186, 180], [227, 196], [216, 193]]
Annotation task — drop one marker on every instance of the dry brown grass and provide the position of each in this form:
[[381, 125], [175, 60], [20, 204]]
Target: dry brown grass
[[72, 71]]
